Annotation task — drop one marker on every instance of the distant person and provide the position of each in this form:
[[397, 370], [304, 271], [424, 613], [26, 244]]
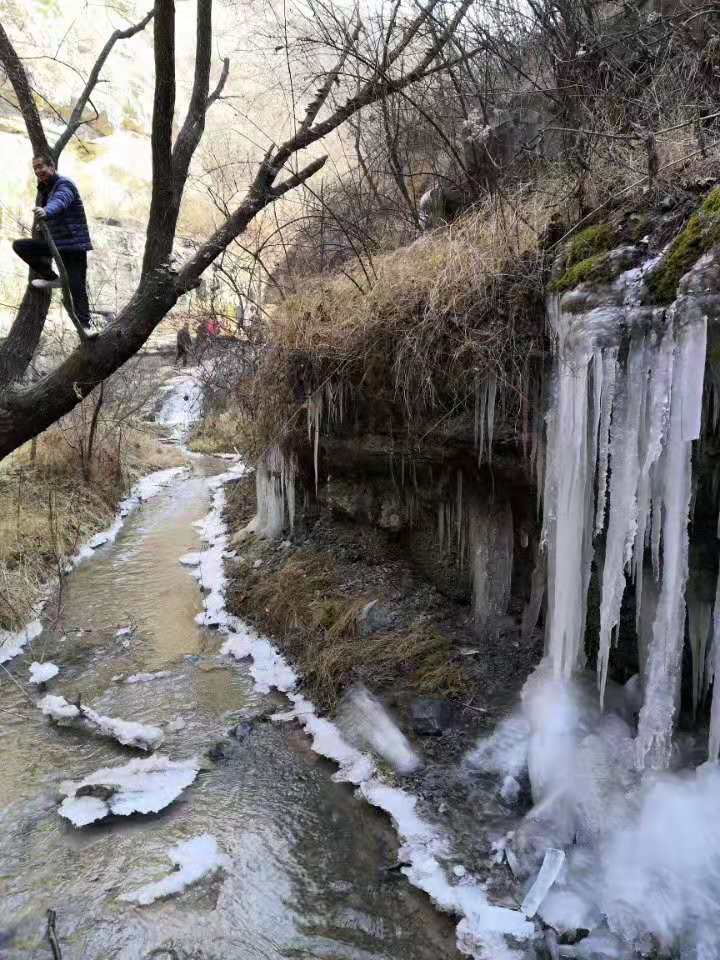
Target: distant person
[[184, 344], [213, 328], [62, 208]]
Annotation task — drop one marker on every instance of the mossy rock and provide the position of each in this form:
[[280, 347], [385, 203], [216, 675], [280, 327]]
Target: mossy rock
[[701, 232], [597, 269], [587, 258], [590, 242]]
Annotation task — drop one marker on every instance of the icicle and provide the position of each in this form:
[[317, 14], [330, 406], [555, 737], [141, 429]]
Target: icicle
[[714, 740], [662, 686], [624, 442], [459, 511], [657, 416], [492, 393], [606, 404], [569, 489], [314, 413], [483, 405], [699, 618]]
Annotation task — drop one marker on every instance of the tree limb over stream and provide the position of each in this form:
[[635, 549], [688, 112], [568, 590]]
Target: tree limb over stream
[[25, 411]]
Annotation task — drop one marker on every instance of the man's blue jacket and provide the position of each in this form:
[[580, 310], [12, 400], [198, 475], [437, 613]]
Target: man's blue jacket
[[65, 214]]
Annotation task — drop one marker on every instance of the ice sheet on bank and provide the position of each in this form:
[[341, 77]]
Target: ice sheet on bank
[[42, 672], [193, 859], [12, 643], [144, 489], [141, 786]]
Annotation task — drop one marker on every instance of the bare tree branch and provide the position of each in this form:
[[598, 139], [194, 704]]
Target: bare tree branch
[[76, 117], [217, 92], [163, 213], [18, 79]]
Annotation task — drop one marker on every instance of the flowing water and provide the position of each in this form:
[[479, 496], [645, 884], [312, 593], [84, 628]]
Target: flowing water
[[307, 876]]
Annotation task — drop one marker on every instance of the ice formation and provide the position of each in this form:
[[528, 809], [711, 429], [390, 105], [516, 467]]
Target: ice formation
[[193, 859], [141, 786], [12, 643], [482, 927], [128, 733], [364, 721], [42, 672], [634, 420], [275, 488]]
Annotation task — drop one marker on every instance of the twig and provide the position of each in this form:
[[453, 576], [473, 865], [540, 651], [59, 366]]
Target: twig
[[52, 935]]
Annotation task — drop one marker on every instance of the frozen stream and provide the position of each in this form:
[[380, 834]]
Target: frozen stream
[[306, 877]]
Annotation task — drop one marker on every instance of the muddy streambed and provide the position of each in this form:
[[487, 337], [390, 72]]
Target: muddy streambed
[[306, 876]]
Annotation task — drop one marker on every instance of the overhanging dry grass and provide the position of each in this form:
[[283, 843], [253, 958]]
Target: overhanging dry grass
[[49, 510], [417, 339], [302, 606]]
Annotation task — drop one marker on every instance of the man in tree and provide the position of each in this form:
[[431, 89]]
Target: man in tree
[[62, 208]]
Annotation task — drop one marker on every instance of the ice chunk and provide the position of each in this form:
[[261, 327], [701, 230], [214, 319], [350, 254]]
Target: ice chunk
[[42, 672], [365, 721], [141, 786], [127, 732], [549, 872], [193, 859], [57, 708]]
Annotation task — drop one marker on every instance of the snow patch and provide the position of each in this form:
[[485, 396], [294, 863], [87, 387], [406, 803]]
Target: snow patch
[[147, 677], [42, 672], [141, 786], [127, 732], [193, 859]]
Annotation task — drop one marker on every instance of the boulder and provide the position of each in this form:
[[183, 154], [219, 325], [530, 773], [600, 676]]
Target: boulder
[[430, 716]]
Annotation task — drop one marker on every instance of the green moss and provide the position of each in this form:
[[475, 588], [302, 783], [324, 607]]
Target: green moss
[[701, 232], [589, 242], [593, 269], [586, 258]]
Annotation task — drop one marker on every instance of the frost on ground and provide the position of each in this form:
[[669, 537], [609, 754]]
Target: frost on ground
[[481, 931], [193, 859], [42, 672], [127, 732], [141, 786]]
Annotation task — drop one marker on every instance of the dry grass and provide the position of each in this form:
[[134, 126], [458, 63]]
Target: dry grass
[[49, 510], [417, 339], [302, 605], [217, 433]]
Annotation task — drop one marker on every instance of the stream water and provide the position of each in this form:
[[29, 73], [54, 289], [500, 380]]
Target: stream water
[[307, 876]]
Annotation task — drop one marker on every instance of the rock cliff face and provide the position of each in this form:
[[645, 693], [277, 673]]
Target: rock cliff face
[[599, 495]]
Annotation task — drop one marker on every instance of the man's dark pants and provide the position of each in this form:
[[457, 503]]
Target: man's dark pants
[[36, 253]]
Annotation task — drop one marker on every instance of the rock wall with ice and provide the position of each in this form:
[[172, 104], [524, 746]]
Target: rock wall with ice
[[624, 415]]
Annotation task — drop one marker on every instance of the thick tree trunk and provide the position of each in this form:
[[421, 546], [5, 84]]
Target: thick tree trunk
[[27, 411]]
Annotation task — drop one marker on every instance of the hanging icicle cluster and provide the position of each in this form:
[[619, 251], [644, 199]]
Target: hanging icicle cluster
[[632, 421], [275, 490]]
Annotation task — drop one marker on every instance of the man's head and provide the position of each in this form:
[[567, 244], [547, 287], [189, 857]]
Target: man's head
[[44, 167]]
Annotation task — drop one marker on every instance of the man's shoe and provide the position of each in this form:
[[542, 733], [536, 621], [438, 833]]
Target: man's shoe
[[41, 284]]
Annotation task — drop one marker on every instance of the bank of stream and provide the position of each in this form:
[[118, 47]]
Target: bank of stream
[[307, 873]]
